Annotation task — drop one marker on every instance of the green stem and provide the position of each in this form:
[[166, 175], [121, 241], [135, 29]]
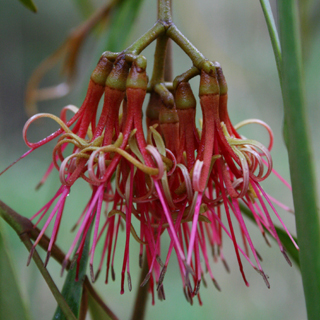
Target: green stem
[[186, 76], [164, 10], [168, 70], [194, 54], [159, 61], [162, 57], [300, 156], [152, 34]]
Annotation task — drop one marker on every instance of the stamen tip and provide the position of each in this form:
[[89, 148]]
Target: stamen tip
[[129, 281], [97, 274], [286, 257], [38, 186], [146, 279], [64, 265], [161, 277], [93, 279], [226, 266], [30, 255], [47, 259], [197, 288], [159, 261], [113, 274], [215, 283]]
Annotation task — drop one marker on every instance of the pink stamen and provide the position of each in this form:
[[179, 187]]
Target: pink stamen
[[169, 219], [280, 204], [95, 235], [283, 180], [59, 203], [85, 221], [194, 227], [277, 214]]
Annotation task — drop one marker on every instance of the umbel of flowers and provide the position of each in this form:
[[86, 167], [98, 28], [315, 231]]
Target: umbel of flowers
[[174, 178]]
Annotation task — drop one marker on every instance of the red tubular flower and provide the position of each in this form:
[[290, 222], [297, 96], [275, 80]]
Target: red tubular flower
[[176, 179]]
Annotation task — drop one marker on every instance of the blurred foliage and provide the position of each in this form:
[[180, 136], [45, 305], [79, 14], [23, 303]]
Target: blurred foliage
[[121, 23]]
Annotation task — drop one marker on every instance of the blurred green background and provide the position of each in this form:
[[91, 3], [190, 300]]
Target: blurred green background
[[231, 32]]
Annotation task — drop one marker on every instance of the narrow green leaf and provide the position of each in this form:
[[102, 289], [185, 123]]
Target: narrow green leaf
[[300, 155], [11, 302], [266, 8], [123, 18], [29, 4], [284, 238], [72, 289]]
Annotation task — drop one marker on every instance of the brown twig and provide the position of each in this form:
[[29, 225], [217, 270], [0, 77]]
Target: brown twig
[[142, 295]]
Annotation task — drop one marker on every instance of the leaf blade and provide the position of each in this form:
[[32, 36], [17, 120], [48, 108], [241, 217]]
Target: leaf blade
[[72, 289], [123, 17], [304, 189], [30, 5]]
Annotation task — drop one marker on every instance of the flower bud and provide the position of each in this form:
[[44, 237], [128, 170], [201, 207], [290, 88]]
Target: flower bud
[[118, 75], [137, 76], [208, 84], [184, 97], [102, 70]]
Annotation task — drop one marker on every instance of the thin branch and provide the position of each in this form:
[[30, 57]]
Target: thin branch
[[26, 231]]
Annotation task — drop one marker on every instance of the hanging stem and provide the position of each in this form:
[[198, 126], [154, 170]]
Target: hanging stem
[[168, 71], [164, 10], [146, 39], [159, 61], [160, 57], [300, 156]]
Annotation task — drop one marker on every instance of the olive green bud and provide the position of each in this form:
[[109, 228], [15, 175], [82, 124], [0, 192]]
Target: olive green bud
[[137, 76], [208, 84], [184, 97], [101, 71], [118, 76]]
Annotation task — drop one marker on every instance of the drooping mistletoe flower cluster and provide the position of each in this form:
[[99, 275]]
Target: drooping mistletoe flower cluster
[[173, 179]]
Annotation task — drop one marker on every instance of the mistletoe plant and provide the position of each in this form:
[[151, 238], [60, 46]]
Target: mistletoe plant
[[172, 178]]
